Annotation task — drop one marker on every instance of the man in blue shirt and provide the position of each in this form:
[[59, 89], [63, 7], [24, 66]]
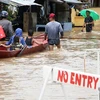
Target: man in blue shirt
[[52, 30]]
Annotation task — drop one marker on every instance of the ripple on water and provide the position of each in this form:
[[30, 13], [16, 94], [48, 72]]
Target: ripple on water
[[21, 78]]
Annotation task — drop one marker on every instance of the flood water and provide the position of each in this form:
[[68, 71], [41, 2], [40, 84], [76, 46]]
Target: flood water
[[22, 78]]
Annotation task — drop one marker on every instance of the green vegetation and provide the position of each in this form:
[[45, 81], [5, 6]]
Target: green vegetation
[[10, 15]]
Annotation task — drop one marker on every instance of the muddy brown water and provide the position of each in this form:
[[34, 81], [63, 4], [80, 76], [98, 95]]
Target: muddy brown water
[[22, 78]]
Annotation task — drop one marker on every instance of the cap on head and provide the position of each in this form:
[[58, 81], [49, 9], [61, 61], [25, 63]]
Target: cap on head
[[52, 15], [4, 14]]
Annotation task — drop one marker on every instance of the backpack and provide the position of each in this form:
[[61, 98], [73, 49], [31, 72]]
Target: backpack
[[2, 33]]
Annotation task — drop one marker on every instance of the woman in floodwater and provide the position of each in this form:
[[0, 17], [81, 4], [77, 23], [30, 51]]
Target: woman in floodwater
[[18, 32]]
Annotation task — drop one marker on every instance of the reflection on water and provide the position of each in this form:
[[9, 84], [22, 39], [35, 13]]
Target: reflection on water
[[21, 78]]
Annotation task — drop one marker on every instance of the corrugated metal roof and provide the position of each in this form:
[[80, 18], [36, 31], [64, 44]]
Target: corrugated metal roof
[[57, 1], [20, 2], [72, 1], [5, 1], [23, 2], [68, 1], [31, 1]]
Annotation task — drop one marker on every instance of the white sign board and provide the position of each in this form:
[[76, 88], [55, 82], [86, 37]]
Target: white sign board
[[76, 78]]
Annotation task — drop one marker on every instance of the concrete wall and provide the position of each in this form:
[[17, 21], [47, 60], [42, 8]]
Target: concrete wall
[[63, 13], [29, 21]]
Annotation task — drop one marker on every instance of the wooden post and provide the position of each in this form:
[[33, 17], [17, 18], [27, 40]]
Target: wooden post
[[98, 62], [30, 21], [99, 93], [85, 62]]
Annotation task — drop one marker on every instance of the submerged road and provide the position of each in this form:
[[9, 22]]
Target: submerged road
[[22, 78]]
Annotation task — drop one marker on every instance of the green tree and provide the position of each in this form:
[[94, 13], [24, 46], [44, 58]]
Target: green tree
[[10, 15]]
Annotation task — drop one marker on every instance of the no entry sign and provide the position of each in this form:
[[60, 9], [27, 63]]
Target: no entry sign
[[76, 78], [65, 76]]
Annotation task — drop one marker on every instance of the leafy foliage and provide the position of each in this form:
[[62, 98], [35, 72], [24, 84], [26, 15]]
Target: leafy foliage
[[11, 16]]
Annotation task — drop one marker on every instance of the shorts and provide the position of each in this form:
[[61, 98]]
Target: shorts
[[88, 28], [53, 41]]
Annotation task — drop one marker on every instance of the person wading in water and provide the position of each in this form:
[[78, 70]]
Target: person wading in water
[[88, 22], [52, 30]]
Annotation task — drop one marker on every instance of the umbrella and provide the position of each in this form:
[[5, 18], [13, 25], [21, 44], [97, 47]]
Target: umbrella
[[93, 14]]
